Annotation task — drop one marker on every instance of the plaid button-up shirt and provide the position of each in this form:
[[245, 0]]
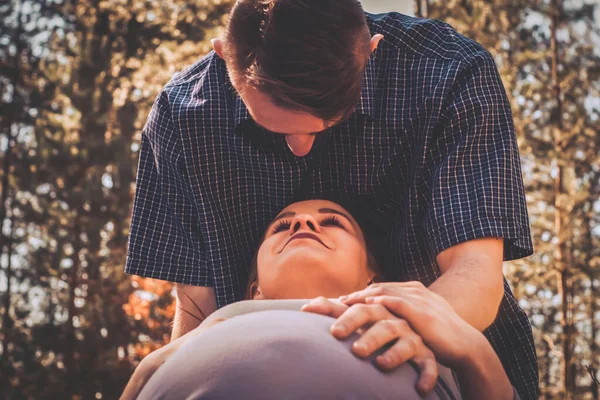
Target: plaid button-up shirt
[[429, 156]]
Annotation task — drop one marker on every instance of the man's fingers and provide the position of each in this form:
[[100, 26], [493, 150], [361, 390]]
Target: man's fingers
[[356, 317], [324, 306], [402, 306], [428, 375], [403, 350], [380, 334], [359, 297], [380, 289]]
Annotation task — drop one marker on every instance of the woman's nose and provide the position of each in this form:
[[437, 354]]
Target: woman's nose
[[304, 221]]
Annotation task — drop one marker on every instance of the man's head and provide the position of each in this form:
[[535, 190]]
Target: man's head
[[298, 65]]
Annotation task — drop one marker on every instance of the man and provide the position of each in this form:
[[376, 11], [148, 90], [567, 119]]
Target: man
[[307, 99]]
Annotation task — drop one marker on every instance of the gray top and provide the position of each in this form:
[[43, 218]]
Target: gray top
[[248, 306], [271, 351]]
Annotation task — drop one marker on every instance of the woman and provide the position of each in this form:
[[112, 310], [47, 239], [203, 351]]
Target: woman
[[316, 249]]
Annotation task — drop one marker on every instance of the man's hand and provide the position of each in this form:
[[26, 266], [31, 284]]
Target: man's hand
[[429, 314], [380, 328], [454, 342], [194, 304], [148, 366], [471, 281]]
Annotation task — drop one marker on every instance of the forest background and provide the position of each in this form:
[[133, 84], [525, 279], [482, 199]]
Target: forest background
[[77, 80]]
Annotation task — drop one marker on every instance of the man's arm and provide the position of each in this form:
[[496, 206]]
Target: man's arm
[[472, 280], [194, 304], [477, 193], [165, 240]]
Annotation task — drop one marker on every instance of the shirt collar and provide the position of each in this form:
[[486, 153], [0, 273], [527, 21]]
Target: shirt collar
[[365, 106], [240, 113]]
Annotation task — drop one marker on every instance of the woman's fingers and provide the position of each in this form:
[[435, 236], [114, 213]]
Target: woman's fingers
[[324, 306]]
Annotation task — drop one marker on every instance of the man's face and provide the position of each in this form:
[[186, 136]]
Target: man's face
[[299, 128]]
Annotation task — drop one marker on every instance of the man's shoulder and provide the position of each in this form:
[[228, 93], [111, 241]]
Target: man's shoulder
[[184, 100], [201, 77], [422, 37]]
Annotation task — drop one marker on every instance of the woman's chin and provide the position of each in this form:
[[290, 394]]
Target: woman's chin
[[305, 256]]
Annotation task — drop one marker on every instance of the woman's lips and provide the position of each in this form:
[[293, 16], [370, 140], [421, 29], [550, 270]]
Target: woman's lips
[[304, 235]]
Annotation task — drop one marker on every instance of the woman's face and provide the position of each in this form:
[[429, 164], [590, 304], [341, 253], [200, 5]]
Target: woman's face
[[312, 248]]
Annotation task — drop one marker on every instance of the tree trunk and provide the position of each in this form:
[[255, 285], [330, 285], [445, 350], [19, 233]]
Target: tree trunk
[[6, 368], [549, 347], [6, 243], [71, 354], [421, 8], [592, 274], [15, 74], [593, 346], [562, 254]]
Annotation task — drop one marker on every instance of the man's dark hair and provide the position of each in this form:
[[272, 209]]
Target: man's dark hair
[[306, 55]]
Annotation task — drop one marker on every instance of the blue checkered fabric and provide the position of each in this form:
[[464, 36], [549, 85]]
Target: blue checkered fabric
[[429, 157]]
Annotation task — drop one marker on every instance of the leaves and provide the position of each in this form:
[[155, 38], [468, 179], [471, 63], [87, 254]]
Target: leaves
[[77, 105], [518, 36]]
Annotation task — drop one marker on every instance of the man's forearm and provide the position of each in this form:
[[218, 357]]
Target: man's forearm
[[472, 280], [194, 304], [476, 302], [482, 376]]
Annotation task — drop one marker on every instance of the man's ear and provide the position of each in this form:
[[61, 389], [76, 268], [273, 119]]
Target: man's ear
[[218, 45]]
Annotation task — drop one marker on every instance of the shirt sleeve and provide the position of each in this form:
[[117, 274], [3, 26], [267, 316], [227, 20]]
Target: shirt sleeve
[[164, 237], [477, 187]]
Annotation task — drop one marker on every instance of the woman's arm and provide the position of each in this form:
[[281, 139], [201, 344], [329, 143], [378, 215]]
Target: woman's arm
[[148, 366]]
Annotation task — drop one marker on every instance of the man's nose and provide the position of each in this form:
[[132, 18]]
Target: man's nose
[[304, 221]]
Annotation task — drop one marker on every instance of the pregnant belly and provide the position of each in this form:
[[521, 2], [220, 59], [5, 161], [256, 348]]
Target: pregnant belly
[[277, 354]]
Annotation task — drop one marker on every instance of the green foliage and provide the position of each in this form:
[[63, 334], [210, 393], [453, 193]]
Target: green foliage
[[78, 79], [519, 35]]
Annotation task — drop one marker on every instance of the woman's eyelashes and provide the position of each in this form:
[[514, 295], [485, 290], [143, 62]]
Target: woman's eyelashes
[[284, 225], [332, 221]]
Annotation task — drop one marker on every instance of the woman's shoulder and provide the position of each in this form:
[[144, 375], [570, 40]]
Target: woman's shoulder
[[249, 306]]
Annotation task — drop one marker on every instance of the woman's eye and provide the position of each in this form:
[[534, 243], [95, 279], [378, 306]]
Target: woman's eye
[[282, 225], [332, 221]]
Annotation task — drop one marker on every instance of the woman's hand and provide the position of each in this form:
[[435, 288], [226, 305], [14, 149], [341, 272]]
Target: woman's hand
[[148, 366], [380, 328], [428, 313]]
